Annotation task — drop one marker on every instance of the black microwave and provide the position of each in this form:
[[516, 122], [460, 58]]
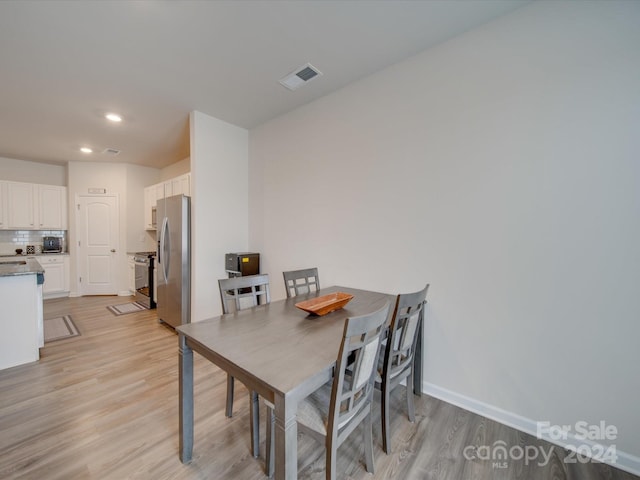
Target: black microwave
[[51, 244]]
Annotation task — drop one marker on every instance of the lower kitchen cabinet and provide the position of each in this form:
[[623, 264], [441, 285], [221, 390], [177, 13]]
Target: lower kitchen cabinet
[[56, 275]]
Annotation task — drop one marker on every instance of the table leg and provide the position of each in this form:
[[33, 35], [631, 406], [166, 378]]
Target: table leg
[[254, 409], [286, 439], [185, 382]]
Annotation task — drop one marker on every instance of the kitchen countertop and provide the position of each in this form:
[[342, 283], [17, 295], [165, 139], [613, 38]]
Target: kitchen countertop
[[31, 266]]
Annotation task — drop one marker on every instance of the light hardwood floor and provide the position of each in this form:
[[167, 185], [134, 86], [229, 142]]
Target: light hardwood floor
[[104, 405]]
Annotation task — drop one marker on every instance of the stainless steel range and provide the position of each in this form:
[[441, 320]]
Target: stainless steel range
[[144, 264]]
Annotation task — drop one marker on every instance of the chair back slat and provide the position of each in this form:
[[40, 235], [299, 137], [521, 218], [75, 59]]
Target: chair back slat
[[301, 282]]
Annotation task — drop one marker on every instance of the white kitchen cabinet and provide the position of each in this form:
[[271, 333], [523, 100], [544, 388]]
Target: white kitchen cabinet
[[56, 275], [52, 207], [163, 190], [21, 205], [181, 185], [153, 193], [31, 206], [3, 205]]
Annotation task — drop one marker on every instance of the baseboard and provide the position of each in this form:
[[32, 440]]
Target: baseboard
[[625, 461], [122, 293], [49, 295]]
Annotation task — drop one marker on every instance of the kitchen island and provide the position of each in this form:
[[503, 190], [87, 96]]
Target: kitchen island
[[21, 322]]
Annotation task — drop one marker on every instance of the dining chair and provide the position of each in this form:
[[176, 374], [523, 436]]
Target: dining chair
[[397, 361], [241, 293], [333, 411], [244, 292], [299, 282]]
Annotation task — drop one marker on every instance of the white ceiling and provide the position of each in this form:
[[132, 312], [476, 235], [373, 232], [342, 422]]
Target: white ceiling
[[63, 64]]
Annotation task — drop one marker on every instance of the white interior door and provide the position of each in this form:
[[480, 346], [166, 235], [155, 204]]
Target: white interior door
[[98, 235]]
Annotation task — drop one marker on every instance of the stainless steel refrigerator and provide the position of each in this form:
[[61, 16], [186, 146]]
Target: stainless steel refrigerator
[[174, 260]]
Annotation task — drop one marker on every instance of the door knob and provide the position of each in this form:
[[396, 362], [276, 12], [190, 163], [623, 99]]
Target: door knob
[[113, 250]]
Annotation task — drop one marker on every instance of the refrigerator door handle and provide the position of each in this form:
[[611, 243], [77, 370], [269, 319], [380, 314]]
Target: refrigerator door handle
[[165, 248]]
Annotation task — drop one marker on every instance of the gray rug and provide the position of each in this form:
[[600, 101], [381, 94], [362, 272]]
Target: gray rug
[[125, 308], [59, 328]]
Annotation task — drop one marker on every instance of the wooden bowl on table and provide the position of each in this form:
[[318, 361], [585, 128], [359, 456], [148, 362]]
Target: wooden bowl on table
[[325, 304]]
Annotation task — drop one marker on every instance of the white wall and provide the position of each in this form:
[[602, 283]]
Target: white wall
[[127, 182], [219, 206], [501, 167], [175, 169], [138, 239], [32, 172]]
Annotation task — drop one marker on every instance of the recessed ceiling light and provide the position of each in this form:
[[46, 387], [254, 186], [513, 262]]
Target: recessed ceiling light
[[86, 150], [114, 117]]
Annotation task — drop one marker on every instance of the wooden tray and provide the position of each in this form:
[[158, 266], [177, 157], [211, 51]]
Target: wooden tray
[[326, 303]]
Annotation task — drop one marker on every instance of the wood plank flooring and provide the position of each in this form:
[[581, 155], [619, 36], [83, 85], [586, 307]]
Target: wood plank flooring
[[104, 405]]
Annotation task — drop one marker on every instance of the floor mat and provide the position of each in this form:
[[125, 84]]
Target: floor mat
[[125, 308], [59, 328]]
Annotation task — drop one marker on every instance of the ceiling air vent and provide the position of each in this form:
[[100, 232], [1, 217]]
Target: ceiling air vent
[[302, 75], [111, 151]]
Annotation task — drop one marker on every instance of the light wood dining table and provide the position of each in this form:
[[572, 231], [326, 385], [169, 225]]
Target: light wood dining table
[[278, 351]]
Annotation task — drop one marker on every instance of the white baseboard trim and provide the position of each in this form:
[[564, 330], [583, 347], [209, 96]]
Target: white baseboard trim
[[47, 296], [625, 461], [124, 293]]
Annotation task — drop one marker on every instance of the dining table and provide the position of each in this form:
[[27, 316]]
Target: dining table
[[278, 351]]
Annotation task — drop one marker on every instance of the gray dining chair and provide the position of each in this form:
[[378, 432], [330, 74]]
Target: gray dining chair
[[300, 282], [397, 360], [333, 411], [239, 293]]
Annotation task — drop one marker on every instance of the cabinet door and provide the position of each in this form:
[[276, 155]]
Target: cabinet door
[[53, 277], [52, 203], [20, 205], [181, 185], [160, 191]]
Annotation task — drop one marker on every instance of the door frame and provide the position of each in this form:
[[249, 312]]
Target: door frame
[[78, 237]]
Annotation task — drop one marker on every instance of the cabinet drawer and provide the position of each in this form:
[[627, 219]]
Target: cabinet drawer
[[50, 260]]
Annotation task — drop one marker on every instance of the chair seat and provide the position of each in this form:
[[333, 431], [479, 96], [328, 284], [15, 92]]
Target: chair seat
[[313, 410]]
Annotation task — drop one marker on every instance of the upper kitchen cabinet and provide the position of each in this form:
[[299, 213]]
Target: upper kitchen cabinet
[[52, 207], [176, 186], [32, 206], [21, 205], [181, 185]]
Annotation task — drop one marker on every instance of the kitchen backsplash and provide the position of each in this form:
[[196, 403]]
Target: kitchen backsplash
[[12, 239]]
